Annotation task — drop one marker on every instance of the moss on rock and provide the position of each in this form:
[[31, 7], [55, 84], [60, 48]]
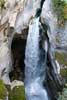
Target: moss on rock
[[3, 90], [17, 93], [61, 58]]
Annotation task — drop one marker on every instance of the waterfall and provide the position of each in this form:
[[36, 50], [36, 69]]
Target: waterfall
[[35, 64]]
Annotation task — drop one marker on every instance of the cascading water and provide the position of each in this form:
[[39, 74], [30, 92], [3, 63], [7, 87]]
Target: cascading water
[[35, 65]]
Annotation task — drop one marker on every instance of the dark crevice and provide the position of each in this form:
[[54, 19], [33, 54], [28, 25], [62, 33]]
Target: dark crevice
[[18, 53], [42, 1], [39, 10]]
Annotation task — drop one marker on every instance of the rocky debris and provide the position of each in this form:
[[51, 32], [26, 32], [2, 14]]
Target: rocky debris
[[16, 83]]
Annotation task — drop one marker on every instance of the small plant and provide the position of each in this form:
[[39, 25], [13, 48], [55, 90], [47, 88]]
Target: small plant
[[17, 93]]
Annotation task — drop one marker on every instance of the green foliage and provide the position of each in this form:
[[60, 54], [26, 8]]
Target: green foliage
[[3, 90], [17, 93], [60, 8], [63, 95]]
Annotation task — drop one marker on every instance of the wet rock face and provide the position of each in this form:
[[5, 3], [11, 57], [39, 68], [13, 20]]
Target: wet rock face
[[5, 56], [24, 17]]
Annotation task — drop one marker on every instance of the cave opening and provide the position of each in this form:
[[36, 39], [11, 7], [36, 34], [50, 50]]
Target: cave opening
[[18, 56]]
